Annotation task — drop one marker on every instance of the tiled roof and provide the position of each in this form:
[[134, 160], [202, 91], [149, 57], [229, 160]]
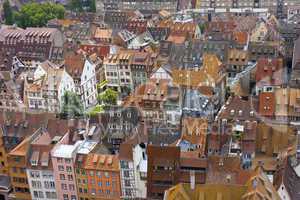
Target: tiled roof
[[208, 75], [102, 162], [269, 72], [239, 108], [287, 96], [266, 104], [101, 33], [240, 38], [176, 39], [74, 65], [205, 192], [259, 186]]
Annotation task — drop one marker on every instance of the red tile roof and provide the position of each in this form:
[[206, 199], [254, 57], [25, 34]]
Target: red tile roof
[[266, 104], [269, 72]]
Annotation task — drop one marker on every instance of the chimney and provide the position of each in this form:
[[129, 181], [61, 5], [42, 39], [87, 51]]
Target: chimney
[[192, 179]]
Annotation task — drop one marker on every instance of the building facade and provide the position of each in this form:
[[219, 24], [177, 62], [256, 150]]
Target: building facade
[[45, 88], [31, 43], [83, 72]]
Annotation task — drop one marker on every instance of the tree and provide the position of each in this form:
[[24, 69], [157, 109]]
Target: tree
[[37, 15], [92, 6], [109, 97], [8, 13], [76, 5], [71, 106]]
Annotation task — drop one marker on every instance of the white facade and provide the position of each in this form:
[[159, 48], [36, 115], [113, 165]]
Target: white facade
[[52, 85], [86, 88], [140, 174], [283, 193], [41, 184], [133, 175], [66, 84], [118, 72], [127, 177]]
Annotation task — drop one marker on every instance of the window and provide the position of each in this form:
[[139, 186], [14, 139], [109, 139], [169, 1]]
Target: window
[[71, 187], [36, 184], [66, 197], [98, 174], [93, 191], [69, 169], [70, 177], [91, 173], [107, 183], [61, 168], [100, 184], [126, 174], [64, 186], [107, 191], [68, 160], [62, 177], [73, 197]]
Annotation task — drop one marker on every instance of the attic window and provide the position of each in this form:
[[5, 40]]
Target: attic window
[[232, 112], [240, 112]]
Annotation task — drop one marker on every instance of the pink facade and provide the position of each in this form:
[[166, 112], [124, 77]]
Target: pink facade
[[63, 169], [65, 180]]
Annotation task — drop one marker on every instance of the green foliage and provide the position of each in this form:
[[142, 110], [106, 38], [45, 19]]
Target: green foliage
[[71, 106], [92, 5], [8, 13], [96, 110], [109, 97], [76, 5], [37, 15], [202, 28]]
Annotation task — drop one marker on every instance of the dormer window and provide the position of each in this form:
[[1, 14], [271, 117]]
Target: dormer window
[[34, 158], [240, 113]]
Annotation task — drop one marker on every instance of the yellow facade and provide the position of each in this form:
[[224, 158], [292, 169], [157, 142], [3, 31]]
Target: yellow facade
[[17, 160], [3, 158], [82, 183]]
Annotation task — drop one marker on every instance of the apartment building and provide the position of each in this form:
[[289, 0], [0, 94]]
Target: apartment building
[[39, 170], [31, 43], [14, 128], [83, 72], [133, 170], [145, 6], [17, 162], [63, 157], [45, 87], [279, 7], [141, 67], [170, 168], [98, 176], [118, 72]]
